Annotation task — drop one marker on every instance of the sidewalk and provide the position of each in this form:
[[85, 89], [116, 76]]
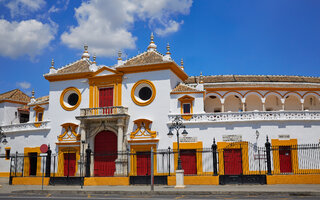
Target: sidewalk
[[301, 190]]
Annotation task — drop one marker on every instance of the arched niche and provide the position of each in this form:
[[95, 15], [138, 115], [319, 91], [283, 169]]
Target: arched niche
[[253, 102], [233, 103], [311, 102], [212, 104], [273, 103], [292, 102]]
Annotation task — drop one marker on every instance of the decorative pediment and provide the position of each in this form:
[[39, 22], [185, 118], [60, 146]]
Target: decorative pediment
[[143, 130], [38, 108], [104, 71], [69, 133], [186, 98]]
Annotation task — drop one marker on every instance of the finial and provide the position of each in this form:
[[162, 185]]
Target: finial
[[94, 59], [32, 94], [181, 63], [52, 64], [201, 77], [85, 54], [168, 49], [119, 55], [152, 46]]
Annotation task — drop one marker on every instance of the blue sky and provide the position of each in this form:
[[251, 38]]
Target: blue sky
[[264, 37]]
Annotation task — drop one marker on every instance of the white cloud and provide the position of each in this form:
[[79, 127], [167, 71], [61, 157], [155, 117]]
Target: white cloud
[[23, 7], [23, 85], [55, 9], [171, 27], [105, 24], [28, 37]]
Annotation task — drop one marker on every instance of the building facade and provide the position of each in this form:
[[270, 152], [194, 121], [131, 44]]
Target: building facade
[[121, 111]]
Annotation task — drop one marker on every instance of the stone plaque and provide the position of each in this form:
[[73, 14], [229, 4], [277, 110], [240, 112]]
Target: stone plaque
[[284, 137], [232, 138], [188, 139]]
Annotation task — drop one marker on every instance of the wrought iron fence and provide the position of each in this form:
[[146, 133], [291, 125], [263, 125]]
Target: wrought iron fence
[[239, 158]]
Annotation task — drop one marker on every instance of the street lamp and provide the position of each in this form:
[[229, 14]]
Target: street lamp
[[3, 137], [177, 125]]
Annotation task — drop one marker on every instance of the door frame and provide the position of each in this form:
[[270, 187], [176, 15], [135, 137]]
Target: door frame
[[26, 167], [71, 148], [276, 143], [134, 148]]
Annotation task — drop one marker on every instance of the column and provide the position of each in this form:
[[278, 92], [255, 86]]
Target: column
[[282, 102], [243, 101], [302, 104], [120, 162], [263, 100], [222, 105]]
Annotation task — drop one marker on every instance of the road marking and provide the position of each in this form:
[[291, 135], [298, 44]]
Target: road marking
[[89, 196], [48, 195], [180, 197]]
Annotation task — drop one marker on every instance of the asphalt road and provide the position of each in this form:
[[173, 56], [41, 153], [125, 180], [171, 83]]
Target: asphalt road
[[158, 197]]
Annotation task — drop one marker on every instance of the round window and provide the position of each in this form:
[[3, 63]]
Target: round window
[[73, 99], [70, 98], [143, 92]]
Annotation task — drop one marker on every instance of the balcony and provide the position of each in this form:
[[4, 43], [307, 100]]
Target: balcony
[[103, 112], [251, 116], [29, 126]]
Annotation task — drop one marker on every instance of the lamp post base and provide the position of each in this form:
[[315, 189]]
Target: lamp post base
[[180, 179]]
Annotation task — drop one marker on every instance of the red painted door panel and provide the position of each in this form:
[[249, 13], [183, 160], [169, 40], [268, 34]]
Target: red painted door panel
[[285, 159], [189, 161], [106, 99], [105, 153], [69, 164], [143, 164], [232, 161]]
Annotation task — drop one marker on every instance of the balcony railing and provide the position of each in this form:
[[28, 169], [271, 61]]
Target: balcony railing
[[29, 126], [112, 110], [251, 116]]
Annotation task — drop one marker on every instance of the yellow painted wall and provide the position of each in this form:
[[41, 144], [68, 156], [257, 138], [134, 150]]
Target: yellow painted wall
[[4, 174], [30, 181], [106, 181], [196, 180], [294, 179]]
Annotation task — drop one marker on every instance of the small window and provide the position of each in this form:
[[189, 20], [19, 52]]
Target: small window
[[186, 108], [23, 117], [217, 110], [40, 116], [8, 153]]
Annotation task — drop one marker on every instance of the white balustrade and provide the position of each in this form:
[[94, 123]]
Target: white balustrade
[[29, 126], [112, 110], [250, 116]]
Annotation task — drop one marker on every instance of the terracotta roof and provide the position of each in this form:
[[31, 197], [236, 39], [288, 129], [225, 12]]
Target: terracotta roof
[[15, 95], [78, 66], [148, 57], [253, 78], [184, 88]]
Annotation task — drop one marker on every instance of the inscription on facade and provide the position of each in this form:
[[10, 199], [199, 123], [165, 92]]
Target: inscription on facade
[[188, 139], [232, 138], [283, 137]]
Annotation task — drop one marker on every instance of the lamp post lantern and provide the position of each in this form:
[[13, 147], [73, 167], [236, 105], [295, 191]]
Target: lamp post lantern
[[3, 137], [177, 125]]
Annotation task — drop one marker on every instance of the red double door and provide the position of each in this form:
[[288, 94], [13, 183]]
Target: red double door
[[188, 161], [285, 159], [69, 164], [105, 153], [143, 163], [232, 161]]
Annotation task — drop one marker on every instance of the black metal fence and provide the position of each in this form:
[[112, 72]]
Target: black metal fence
[[238, 158]]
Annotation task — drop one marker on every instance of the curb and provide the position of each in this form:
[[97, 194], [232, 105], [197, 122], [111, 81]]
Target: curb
[[167, 192]]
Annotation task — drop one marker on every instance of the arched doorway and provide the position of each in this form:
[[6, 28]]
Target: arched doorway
[[105, 153]]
